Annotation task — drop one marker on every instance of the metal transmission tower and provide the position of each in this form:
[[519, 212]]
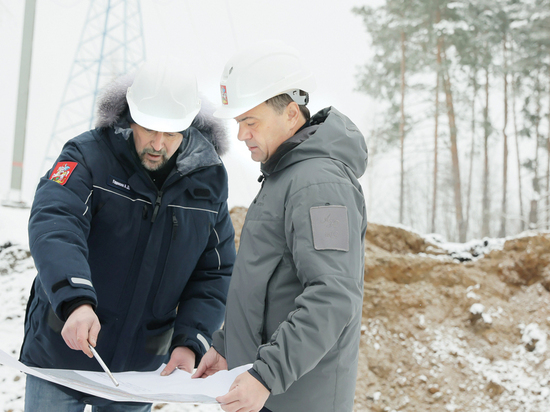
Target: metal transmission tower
[[111, 44]]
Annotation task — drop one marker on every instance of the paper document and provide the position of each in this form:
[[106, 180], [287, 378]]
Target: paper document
[[137, 386]]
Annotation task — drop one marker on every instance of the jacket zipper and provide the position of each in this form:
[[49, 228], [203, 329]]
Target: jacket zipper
[[159, 195], [157, 206], [261, 179], [174, 225]]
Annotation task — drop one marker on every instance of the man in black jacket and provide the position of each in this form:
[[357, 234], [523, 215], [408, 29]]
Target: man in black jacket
[[132, 239]]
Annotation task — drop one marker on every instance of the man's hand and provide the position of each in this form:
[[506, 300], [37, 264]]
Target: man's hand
[[211, 363], [182, 358], [81, 327], [246, 394]]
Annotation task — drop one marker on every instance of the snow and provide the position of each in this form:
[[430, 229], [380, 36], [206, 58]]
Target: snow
[[471, 250], [487, 318], [455, 5], [449, 27], [477, 309], [533, 335], [522, 383]]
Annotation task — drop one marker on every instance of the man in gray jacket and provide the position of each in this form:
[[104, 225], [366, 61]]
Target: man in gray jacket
[[295, 298]]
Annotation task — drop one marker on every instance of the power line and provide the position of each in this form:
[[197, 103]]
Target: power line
[[231, 25], [63, 3]]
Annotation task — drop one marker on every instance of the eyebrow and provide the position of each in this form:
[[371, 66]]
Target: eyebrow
[[243, 119]]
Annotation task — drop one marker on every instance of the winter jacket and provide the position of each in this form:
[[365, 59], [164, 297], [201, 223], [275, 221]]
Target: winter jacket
[[155, 264], [295, 298]]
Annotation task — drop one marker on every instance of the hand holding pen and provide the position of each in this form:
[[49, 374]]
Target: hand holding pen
[[80, 333], [82, 327]]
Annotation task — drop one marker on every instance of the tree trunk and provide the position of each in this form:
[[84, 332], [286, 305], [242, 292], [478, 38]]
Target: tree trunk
[[402, 130], [485, 227], [454, 153], [522, 219], [502, 232], [548, 162], [434, 196], [472, 151], [533, 213]]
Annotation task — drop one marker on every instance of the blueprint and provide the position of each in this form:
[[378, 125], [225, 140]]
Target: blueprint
[[178, 387]]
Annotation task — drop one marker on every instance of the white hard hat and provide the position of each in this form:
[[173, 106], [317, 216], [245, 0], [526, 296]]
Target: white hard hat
[[164, 96], [260, 72]]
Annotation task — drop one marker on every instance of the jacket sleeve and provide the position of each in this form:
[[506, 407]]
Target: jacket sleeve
[[331, 275], [202, 304], [218, 341], [58, 230]]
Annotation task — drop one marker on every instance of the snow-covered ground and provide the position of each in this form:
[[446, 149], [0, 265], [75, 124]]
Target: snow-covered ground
[[17, 272]]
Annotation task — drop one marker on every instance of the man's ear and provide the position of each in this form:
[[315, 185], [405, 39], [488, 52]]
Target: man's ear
[[292, 113]]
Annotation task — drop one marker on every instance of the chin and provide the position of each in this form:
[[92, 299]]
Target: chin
[[258, 158], [151, 167]]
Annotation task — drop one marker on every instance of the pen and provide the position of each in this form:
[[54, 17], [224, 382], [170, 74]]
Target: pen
[[100, 361]]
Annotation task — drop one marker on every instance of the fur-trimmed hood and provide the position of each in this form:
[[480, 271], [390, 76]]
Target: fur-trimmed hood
[[112, 108]]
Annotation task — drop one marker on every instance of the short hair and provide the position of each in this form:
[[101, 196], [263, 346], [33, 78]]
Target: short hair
[[281, 101]]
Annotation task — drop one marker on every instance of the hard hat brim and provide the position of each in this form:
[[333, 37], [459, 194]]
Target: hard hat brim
[[160, 124]]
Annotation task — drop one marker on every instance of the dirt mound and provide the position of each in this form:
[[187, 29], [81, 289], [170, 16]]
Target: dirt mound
[[523, 261], [453, 327], [399, 240], [238, 215]]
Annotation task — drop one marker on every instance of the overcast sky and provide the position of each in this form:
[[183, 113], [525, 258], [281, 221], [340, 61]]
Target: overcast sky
[[206, 33]]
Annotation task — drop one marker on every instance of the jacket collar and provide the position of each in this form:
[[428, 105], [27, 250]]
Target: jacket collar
[[299, 137], [331, 135], [195, 152]]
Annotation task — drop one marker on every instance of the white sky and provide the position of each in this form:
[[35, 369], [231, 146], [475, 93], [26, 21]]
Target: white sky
[[206, 33]]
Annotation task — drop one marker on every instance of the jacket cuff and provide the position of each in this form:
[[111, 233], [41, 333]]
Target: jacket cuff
[[195, 341], [68, 307], [218, 339], [181, 340], [198, 356], [259, 378]]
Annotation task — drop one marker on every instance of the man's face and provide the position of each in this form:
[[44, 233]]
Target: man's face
[[155, 148], [263, 131]]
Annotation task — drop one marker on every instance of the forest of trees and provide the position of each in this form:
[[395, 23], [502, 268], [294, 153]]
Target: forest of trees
[[463, 97]]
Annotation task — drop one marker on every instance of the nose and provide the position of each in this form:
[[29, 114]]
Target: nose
[[243, 134], [158, 141]]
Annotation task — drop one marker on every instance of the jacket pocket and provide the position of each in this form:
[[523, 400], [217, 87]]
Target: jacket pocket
[[157, 341], [54, 322]]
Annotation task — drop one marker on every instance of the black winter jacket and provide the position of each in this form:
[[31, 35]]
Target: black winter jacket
[[155, 263]]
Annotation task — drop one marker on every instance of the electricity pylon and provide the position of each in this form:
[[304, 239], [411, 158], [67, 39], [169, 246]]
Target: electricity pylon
[[111, 44]]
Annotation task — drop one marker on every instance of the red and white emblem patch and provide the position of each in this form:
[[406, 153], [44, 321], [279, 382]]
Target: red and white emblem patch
[[224, 94], [62, 171]]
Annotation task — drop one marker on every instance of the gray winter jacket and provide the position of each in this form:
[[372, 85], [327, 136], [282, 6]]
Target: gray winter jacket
[[295, 298]]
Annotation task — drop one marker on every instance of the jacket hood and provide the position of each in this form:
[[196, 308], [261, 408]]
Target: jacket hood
[[330, 135], [112, 109]]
